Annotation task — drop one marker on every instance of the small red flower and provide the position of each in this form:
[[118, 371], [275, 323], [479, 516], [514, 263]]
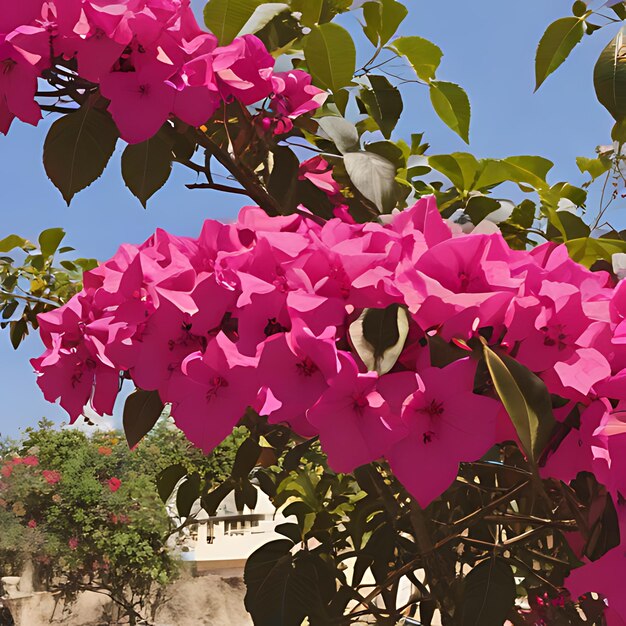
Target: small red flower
[[73, 543], [104, 451], [7, 470], [30, 460], [51, 477], [114, 484], [32, 523]]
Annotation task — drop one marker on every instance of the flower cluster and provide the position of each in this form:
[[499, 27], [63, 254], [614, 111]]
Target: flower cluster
[[149, 58], [257, 314]]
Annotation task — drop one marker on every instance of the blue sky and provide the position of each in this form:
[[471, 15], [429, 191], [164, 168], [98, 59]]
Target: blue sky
[[489, 48]]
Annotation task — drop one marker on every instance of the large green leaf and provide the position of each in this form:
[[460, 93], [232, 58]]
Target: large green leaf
[[526, 399], [594, 167], [168, 479], [379, 335], [147, 166], [523, 170], [382, 19], [311, 11], [283, 589], [142, 410], [262, 16], [423, 55], [77, 149], [341, 132], [609, 77], [557, 42], [187, 494], [588, 250], [226, 18], [384, 103], [488, 594], [453, 107], [330, 56], [374, 176], [13, 241], [461, 168], [49, 241]]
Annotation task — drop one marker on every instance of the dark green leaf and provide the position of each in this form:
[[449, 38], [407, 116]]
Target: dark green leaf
[[373, 176], [560, 38], [141, 412], [489, 594], [18, 330], [168, 479], [146, 166], [49, 241], [453, 107], [588, 250], [289, 530], [212, 500], [330, 56], [423, 55], [609, 77], [526, 399], [78, 148], [246, 458], [226, 18], [188, 493], [379, 335], [283, 181], [384, 103]]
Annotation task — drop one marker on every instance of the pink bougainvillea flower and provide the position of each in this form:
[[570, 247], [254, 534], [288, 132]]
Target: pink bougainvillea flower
[[51, 476], [31, 460], [18, 84], [296, 368], [444, 425], [139, 105], [114, 484], [211, 392], [294, 95], [353, 419], [244, 69], [318, 171]]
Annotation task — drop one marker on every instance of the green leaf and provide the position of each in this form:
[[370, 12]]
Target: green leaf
[[212, 500], [523, 170], [142, 410], [11, 242], [147, 166], [226, 18], [423, 55], [488, 593], [453, 107], [460, 167], [49, 241], [311, 11], [560, 38], [262, 16], [588, 250], [384, 103], [373, 176], [594, 167], [77, 149], [574, 226], [341, 132], [168, 479], [526, 399], [188, 493], [382, 19], [246, 458], [378, 337], [609, 77], [330, 56]]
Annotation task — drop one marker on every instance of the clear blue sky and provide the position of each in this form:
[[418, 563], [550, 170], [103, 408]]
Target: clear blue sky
[[489, 48]]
